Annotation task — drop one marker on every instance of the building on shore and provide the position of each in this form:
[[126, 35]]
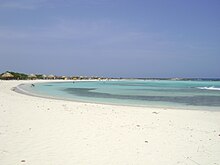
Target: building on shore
[[51, 77], [44, 76], [32, 77], [7, 76]]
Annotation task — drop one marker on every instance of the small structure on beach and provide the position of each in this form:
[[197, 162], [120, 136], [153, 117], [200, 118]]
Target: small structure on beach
[[75, 78], [32, 76], [44, 76], [64, 78], [7, 76], [51, 77]]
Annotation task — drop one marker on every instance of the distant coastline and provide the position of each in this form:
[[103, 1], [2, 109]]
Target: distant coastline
[[10, 75]]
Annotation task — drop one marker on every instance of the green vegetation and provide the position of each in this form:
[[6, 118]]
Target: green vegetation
[[17, 76], [39, 76]]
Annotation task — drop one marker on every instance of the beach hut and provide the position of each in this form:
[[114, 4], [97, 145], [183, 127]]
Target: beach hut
[[64, 77], [32, 76], [75, 78], [51, 77], [44, 76], [7, 76]]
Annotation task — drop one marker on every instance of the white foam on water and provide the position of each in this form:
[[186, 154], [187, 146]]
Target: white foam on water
[[209, 88]]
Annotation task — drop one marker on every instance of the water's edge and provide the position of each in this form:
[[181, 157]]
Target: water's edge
[[19, 90]]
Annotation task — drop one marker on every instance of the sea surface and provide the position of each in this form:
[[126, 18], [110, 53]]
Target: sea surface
[[198, 95]]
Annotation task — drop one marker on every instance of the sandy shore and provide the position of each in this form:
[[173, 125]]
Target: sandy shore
[[39, 131]]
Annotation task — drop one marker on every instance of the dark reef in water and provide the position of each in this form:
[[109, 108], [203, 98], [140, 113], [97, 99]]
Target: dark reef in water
[[213, 101]]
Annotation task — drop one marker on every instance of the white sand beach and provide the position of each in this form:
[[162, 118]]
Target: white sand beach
[[41, 131]]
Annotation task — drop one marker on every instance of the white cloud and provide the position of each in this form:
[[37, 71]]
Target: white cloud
[[61, 29], [35, 4], [102, 34], [21, 4]]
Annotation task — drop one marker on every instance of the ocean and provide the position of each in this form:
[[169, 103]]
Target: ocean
[[198, 95]]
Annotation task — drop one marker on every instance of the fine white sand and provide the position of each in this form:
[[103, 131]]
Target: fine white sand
[[39, 131]]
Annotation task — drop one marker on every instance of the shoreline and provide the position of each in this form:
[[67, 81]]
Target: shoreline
[[44, 131], [22, 91]]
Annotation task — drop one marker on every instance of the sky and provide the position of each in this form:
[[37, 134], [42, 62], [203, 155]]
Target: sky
[[111, 38]]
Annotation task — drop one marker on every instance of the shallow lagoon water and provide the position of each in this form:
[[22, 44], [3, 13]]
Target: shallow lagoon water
[[204, 95]]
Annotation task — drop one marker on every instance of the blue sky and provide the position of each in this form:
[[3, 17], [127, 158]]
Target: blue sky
[[117, 38]]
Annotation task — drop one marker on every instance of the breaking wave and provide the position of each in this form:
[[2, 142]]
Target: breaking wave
[[209, 88]]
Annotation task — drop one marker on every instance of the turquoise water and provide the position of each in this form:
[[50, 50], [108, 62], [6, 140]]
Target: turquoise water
[[151, 93]]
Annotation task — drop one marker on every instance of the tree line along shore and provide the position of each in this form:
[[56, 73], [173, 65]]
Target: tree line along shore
[[9, 75]]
